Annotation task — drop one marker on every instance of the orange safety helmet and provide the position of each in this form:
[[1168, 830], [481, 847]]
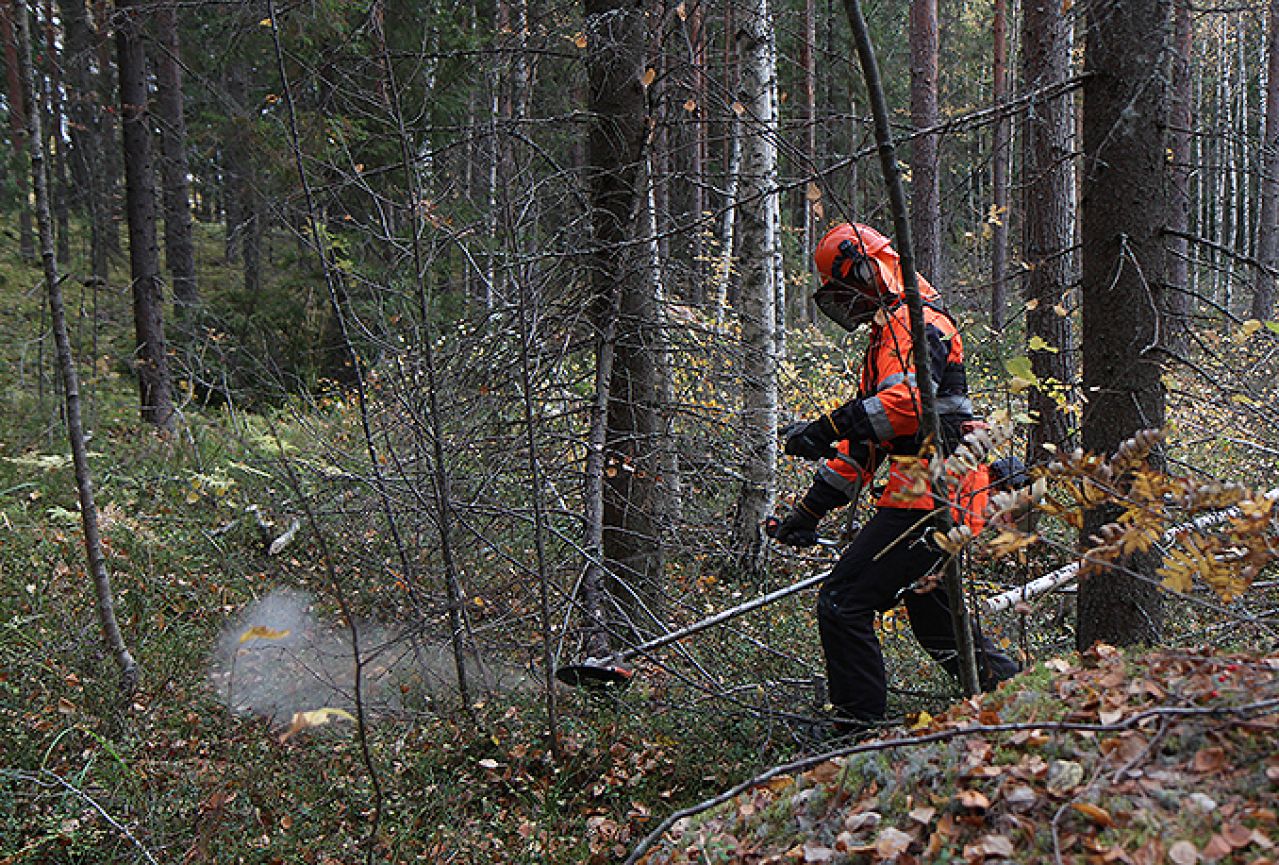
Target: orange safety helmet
[[848, 254]]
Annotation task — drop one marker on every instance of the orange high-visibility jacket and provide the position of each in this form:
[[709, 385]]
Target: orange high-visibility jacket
[[886, 411]]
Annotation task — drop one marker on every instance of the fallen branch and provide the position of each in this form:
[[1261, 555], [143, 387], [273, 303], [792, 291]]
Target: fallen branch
[[1261, 707], [1067, 573]]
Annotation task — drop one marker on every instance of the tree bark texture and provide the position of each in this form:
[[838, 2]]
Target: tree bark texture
[[632, 553], [1001, 155], [17, 123], [1263, 287], [757, 214], [151, 358], [179, 248], [1177, 306], [1047, 218], [91, 190], [94, 553], [1125, 211], [925, 180]]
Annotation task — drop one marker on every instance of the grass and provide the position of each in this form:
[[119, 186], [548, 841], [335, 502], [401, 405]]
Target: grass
[[174, 775]]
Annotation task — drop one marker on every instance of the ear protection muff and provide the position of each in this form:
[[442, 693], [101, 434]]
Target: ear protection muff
[[853, 267]]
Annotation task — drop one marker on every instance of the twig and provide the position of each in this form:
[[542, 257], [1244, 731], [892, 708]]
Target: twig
[[1260, 707]]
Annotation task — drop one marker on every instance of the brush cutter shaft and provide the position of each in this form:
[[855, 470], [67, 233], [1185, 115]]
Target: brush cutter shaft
[[720, 617]]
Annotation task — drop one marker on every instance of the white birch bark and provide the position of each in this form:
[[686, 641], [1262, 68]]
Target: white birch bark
[[757, 211]]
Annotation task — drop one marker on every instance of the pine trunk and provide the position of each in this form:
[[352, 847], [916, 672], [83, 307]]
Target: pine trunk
[[1048, 224], [17, 126], [179, 246], [1125, 213], [925, 198], [151, 357], [1001, 154]]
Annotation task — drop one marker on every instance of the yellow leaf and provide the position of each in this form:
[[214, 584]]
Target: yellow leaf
[[265, 22], [262, 632], [314, 718], [739, 109], [580, 40], [690, 104], [650, 75]]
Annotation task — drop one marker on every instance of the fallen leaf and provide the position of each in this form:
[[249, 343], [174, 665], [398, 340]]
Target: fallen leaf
[[1236, 834], [892, 842], [1097, 815], [973, 799], [1216, 848], [923, 814], [817, 853], [1209, 760], [314, 718], [1183, 853], [262, 632], [997, 845]]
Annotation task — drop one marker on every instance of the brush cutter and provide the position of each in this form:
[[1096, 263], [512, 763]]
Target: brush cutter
[[611, 671]]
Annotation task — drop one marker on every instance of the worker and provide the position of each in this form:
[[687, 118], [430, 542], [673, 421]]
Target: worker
[[862, 284]]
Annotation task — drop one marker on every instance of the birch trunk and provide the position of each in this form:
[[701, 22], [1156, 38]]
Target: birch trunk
[[757, 304]]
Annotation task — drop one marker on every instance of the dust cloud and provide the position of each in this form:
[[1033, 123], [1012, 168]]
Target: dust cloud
[[280, 656]]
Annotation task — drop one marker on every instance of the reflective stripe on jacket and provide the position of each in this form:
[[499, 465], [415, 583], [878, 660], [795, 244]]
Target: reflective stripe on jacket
[[887, 407]]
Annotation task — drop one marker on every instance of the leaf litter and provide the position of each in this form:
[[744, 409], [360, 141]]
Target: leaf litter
[[1167, 756]]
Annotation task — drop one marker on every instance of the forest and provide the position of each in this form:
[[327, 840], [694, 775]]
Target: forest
[[399, 400]]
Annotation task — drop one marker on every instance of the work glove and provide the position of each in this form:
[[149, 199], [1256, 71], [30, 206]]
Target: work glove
[[812, 440], [798, 529]]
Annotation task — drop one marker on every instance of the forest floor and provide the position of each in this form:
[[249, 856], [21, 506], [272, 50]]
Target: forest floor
[[1166, 756], [1113, 757]]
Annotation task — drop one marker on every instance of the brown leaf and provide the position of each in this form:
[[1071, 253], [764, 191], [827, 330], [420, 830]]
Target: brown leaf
[[1209, 760], [650, 75], [1216, 848], [973, 799], [1236, 834], [892, 842], [1097, 815]]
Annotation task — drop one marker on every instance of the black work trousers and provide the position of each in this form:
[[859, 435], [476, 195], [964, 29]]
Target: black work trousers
[[861, 586]]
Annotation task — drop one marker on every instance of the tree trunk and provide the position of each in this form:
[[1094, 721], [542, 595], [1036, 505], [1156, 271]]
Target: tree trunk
[[1048, 225], [925, 198], [88, 144], [57, 144], [632, 552], [94, 553], [1001, 153], [236, 176], [1263, 287], [18, 125], [1176, 311], [757, 307], [179, 248], [154, 383], [1125, 212]]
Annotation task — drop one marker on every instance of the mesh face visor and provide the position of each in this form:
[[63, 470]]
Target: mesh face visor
[[845, 306]]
